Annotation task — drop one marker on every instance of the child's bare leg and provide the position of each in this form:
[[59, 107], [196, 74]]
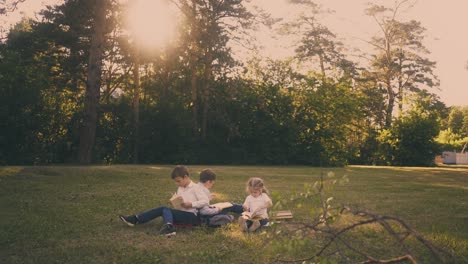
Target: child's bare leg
[[243, 223], [255, 225]]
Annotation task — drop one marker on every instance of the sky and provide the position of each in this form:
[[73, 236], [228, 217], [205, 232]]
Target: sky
[[445, 37]]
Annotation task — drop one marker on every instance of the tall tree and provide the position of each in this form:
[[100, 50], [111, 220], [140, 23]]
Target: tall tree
[[8, 5], [136, 107], [68, 25], [93, 83], [34, 64], [456, 119], [208, 27], [399, 64], [318, 44]]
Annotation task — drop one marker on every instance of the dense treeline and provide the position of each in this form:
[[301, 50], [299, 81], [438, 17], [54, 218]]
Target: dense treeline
[[193, 102]]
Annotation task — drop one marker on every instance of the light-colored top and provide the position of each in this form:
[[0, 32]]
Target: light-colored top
[[255, 203], [207, 209], [194, 195]]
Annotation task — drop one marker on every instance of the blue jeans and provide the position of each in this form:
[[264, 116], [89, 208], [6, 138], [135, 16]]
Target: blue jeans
[[235, 208], [169, 216]]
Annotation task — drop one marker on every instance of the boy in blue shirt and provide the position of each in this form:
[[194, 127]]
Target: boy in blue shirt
[[193, 199]]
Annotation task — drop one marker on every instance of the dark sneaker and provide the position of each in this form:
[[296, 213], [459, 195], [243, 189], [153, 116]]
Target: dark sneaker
[[167, 230], [129, 220]]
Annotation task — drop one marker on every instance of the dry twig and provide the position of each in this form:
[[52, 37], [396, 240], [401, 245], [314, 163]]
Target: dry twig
[[336, 238]]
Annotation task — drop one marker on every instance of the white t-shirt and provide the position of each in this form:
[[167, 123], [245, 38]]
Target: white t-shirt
[[253, 203], [206, 210], [193, 194]]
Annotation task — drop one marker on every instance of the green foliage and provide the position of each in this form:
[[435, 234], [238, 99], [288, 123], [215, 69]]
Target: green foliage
[[386, 148], [455, 120], [261, 112], [8, 6], [36, 110], [416, 145], [454, 137], [450, 141], [411, 140], [114, 134]]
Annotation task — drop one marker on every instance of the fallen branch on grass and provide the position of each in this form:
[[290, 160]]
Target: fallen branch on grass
[[334, 236]]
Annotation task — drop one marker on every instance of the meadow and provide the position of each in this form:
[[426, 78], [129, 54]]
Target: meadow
[[68, 214]]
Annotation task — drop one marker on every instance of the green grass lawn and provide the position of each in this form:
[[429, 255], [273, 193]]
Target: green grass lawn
[[68, 214]]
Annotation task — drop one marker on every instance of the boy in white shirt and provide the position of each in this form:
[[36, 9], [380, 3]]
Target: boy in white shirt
[[209, 214], [193, 200], [207, 180]]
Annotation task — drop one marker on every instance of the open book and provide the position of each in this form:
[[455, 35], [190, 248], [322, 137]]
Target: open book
[[176, 202], [222, 205], [252, 216]]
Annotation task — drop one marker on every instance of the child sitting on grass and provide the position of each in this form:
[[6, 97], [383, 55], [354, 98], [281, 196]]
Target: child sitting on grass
[[213, 215], [193, 199], [207, 180], [255, 206]]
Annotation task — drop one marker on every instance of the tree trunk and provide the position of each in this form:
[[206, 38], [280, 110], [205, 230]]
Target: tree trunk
[[206, 93], [391, 103], [322, 66], [76, 69], [136, 107], [193, 83], [400, 98], [400, 87], [93, 85]]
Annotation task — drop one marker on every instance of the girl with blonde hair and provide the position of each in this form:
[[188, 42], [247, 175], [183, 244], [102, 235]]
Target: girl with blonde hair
[[255, 206]]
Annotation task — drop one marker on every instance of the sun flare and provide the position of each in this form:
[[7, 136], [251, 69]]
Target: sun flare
[[152, 23]]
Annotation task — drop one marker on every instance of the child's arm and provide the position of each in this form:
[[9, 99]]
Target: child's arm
[[245, 205], [268, 204], [201, 200], [187, 205], [208, 210]]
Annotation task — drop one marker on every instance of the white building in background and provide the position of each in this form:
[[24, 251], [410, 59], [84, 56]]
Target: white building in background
[[462, 158], [455, 158]]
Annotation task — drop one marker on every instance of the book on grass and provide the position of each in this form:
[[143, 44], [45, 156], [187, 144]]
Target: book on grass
[[176, 202], [287, 214], [222, 205]]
